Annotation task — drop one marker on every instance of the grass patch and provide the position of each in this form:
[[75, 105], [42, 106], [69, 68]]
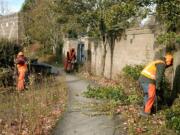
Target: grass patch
[[34, 111], [173, 116], [129, 100]]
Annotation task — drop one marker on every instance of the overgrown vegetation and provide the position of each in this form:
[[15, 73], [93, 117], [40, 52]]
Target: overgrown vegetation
[[41, 26], [173, 116], [169, 40], [126, 92], [130, 100], [48, 21], [33, 112], [109, 93], [113, 94], [8, 51], [133, 71], [167, 13], [173, 120]]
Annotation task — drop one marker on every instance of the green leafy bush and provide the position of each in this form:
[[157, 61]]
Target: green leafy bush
[[178, 39], [173, 120], [133, 71], [169, 40], [111, 93]]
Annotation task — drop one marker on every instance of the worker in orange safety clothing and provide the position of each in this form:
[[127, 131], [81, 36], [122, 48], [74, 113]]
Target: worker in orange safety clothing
[[22, 69], [67, 62], [72, 58], [150, 81]]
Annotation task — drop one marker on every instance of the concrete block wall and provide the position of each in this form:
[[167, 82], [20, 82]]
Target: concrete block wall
[[9, 27], [96, 57], [136, 46], [107, 69]]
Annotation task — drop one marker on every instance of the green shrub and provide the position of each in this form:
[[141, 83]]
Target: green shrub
[[134, 99], [7, 52], [173, 120], [111, 93], [133, 71]]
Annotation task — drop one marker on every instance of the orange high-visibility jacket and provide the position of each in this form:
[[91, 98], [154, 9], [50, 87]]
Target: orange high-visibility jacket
[[21, 76], [150, 70]]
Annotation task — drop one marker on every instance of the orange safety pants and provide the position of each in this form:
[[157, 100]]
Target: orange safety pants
[[149, 96], [67, 65], [21, 77]]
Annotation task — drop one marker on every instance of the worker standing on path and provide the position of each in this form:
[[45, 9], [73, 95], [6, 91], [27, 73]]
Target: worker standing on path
[[22, 70], [67, 62], [150, 81], [72, 58]]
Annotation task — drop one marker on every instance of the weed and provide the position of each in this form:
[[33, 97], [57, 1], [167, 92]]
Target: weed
[[134, 99], [173, 116]]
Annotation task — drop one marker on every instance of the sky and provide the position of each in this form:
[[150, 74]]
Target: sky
[[11, 6]]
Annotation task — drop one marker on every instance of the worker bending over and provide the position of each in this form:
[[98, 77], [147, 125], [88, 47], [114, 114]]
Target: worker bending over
[[150, 81]]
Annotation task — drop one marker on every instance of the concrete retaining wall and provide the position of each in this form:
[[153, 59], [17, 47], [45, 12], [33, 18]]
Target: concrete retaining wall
[[136, 46], [11, 27]]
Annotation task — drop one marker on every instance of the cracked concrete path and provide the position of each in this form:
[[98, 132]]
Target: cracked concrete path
[[76, 121]]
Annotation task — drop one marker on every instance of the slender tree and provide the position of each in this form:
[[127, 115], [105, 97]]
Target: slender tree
[[102, 19], [41, 22]]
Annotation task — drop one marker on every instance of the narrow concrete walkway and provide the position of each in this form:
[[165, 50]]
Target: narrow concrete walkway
[[76, 121]]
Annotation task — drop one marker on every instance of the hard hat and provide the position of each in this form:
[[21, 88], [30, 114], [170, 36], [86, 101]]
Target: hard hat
[[20, 54]]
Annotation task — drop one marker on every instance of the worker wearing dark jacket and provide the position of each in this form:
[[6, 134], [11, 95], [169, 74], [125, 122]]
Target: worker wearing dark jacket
[[150, 80]]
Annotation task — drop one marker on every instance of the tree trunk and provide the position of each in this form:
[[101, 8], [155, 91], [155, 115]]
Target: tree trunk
[[89, 59], [112, 44], [176, 79], [103, 58]]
